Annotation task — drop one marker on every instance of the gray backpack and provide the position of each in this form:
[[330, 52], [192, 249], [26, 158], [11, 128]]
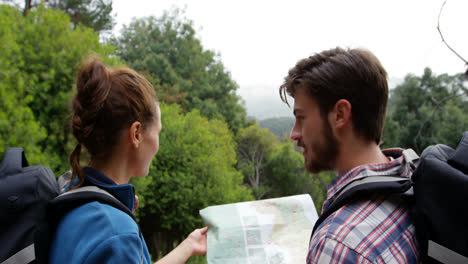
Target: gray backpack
[[438, 192], [30, 207]]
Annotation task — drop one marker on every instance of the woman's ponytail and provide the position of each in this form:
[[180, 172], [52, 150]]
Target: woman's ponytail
[[93, 87], [77, 171]]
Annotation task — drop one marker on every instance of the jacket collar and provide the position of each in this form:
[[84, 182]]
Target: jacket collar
[[124, 192]]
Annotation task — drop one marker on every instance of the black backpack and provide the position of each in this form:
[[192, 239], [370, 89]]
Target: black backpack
[[438, 193], [30, 208]]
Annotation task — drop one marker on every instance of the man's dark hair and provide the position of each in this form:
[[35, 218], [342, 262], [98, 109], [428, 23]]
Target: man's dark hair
[[355, 75]]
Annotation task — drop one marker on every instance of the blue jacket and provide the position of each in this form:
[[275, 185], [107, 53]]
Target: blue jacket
[[100, 233]]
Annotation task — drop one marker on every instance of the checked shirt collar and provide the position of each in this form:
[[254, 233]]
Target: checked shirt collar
[[379, 169]]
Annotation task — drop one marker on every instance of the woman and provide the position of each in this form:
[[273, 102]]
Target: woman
[[116, 117]]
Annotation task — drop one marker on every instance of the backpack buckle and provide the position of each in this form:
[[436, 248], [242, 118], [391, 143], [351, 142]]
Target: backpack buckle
[[411, 158]]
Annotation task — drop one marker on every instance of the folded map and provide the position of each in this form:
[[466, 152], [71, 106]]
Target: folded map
[[269, 231]]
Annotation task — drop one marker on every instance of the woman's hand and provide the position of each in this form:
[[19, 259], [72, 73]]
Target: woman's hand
[[194, 244], [197, 241]]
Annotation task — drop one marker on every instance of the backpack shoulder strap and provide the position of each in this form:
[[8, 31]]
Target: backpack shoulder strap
[[364, 188], [83, 195], [68, 201], [26, 255], [459, 158], [13, 162], [411, 157]]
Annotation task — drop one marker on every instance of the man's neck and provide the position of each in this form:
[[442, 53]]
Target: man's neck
[[356, 153]]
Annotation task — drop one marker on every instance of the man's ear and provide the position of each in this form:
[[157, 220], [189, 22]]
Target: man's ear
[[135, 134], [341, 115]]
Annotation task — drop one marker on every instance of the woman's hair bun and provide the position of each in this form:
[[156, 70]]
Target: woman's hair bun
[[92, 74], [93, 86]]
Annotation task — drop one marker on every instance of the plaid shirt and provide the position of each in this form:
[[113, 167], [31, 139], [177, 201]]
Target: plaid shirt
[[378, 230]]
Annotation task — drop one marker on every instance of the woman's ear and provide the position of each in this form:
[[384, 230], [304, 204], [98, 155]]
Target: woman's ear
[[341, 113], [135, 134]]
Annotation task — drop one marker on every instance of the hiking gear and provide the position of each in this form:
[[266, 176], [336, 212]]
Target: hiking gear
[[30, 207], [24, 194], [438, 190]]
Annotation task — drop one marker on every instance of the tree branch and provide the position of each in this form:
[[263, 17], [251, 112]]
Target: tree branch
[[440, 102], [244, 153], [257, 165], [442, 37], [322, 182], [431, 117], [261, 195], [317, 176]]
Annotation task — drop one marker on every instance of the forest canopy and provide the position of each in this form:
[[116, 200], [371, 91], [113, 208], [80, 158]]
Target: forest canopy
[[210, 152]]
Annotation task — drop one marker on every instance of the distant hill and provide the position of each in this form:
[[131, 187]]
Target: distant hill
[[280, 126], [270, 112], [264, 102]]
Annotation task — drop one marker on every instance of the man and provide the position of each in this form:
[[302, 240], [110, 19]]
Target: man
[[340, 99]]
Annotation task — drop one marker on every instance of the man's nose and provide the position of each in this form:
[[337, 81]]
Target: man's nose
[[295, 134]]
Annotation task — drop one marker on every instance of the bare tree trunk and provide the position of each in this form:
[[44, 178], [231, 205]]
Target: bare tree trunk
[[156, 238], [252, 180], [169, 245], [257, 175], [27, 6]]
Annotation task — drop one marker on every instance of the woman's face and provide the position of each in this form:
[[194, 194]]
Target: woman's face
[[149, 146]]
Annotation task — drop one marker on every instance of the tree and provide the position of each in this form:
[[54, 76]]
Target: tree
[[169, 54], [280, 126], [445, 42], [95, 14], [427, 110], [255, 146], [44, 62], [285, 175], [193, 169], [18, 127]]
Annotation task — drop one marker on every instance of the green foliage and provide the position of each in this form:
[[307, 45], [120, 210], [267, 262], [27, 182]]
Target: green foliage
[[95, 14], [427, 110], [167, 51], [42, 56], [285, 176], [286, 166], [276, 169], [18, 127], [255, 146], [280, 126], [197, 260], [193, 169], [319, 187]]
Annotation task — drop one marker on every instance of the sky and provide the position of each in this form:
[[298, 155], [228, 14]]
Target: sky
[[259, 41]]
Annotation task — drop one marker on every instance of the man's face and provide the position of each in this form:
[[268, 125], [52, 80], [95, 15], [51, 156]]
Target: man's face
[[314, 134]]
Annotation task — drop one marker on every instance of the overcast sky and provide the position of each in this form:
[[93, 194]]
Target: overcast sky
[[260, 40]]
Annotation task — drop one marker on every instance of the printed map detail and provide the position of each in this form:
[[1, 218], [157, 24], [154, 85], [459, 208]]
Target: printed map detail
[[273, 231]]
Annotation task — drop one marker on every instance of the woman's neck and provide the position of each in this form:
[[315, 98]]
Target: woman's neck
[[115, 169]]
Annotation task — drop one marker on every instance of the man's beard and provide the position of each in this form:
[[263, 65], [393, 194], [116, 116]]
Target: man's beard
[[325, 150]]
